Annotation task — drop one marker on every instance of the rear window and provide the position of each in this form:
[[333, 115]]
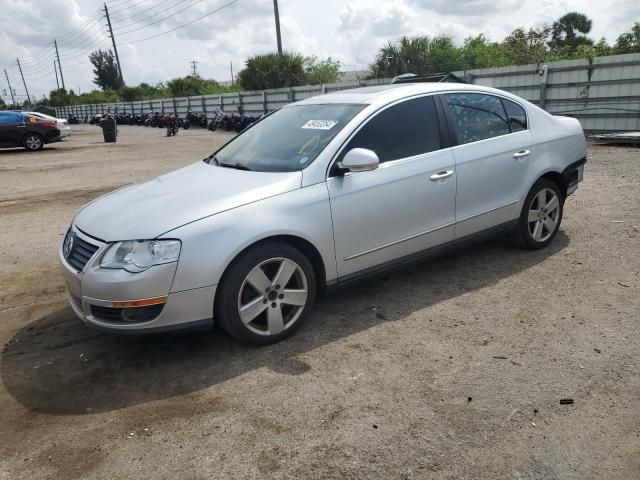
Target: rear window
[[517, 115]]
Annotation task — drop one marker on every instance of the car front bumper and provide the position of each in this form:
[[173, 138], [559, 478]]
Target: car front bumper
[[97, 296]]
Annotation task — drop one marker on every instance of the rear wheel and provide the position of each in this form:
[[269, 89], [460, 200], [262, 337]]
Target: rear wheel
[[541, 216], [33, 142], [266, 294]]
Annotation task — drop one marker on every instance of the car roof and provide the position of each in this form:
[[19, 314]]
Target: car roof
[[37, 113], [382, 94]]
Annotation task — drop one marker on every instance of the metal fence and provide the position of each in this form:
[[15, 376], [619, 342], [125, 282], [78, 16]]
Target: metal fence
[[603, 93]]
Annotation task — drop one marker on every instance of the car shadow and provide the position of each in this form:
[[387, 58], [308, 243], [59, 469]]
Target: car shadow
[[56, 365], [48, 148]]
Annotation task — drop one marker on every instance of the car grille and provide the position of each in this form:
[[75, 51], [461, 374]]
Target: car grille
[[81, 253]]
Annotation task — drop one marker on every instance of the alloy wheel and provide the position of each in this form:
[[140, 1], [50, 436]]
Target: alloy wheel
[[544, 212], [273, 296], [33, 142]]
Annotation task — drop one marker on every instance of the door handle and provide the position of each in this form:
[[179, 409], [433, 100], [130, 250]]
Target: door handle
[[440, 175], [521, 154], [22, 126]]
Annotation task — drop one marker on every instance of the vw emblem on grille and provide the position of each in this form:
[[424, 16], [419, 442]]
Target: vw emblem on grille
[[68, 245]]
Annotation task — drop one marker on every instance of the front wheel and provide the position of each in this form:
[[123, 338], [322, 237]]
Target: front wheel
[[266, 294], [33, 142], [541, 216]]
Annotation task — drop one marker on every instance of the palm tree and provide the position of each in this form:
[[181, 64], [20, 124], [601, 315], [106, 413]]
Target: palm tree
[[566, 30], [419, 55]]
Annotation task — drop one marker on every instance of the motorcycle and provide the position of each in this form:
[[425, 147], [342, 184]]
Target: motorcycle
[[217, 121]]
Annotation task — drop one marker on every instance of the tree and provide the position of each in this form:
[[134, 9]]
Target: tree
[[565, 31], [419, 55], [478, 52], [3, 105], [521, 46], [273, 71], [318, 72], [60, 98], [105, 70], [628, 42]]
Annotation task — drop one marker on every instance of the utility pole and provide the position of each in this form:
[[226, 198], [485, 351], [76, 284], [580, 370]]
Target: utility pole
[[23, 82], [194, 68], [113, 40], [13, 100], [55, 43], [231, 73], [275, 11], [56, 72]]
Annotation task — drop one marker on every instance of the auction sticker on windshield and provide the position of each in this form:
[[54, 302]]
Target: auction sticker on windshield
[[320, 124]]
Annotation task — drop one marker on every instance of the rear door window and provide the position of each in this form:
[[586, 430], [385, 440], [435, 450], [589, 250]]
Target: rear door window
[[476, 116]]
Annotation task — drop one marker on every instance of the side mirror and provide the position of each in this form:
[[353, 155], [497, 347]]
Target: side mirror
[[360, 160]]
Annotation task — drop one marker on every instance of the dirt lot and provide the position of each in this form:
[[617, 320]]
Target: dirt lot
[[452, 369]]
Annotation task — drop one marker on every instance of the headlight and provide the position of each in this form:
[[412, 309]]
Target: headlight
[[138, 255]]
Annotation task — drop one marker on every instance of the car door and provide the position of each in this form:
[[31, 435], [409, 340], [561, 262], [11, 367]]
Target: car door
[[492, 158], [11, 128], [407, 204]]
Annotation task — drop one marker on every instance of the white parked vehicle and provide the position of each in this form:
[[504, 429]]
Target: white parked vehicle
[[318, 194], [62, 123]]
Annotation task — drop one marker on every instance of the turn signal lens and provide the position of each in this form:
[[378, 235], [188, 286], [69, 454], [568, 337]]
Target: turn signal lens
[[140, 303]]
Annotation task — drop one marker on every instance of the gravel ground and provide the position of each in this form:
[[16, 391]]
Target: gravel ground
[[451, 369]]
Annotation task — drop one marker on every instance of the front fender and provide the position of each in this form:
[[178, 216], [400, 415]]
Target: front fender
[[209, 245]]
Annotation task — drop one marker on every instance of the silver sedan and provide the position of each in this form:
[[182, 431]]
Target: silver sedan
[[316, 195]]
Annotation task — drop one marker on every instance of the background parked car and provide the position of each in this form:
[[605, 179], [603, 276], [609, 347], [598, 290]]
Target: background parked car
[[63, 123], [20, 130]]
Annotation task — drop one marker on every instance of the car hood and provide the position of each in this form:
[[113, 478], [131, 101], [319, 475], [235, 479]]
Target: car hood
[[153, 207]]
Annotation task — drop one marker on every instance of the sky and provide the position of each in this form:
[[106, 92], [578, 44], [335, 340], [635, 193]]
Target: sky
[[350, 31]]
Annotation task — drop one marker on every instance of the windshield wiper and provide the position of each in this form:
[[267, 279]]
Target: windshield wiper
[[236, 165]]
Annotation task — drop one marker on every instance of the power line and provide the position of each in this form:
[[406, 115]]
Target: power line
[[88, 45], [148, 17], [89, 19], [163, 18], [85, 52], [33, 59], [129, 7], [92, 29], [228, 4]]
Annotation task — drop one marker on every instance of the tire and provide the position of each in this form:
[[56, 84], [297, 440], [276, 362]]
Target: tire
[[252, 281], [537, 227], [33, 142]]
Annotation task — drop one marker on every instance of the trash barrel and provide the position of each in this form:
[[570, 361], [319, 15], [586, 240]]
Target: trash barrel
[[109, 129]]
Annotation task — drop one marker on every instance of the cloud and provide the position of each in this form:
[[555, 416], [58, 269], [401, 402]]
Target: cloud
[[348, 30], [465, 7]]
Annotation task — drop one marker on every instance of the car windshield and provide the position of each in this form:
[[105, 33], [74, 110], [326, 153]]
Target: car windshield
[[288, 139]]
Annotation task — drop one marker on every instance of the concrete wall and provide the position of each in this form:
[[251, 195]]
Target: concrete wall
[[603, 93]]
